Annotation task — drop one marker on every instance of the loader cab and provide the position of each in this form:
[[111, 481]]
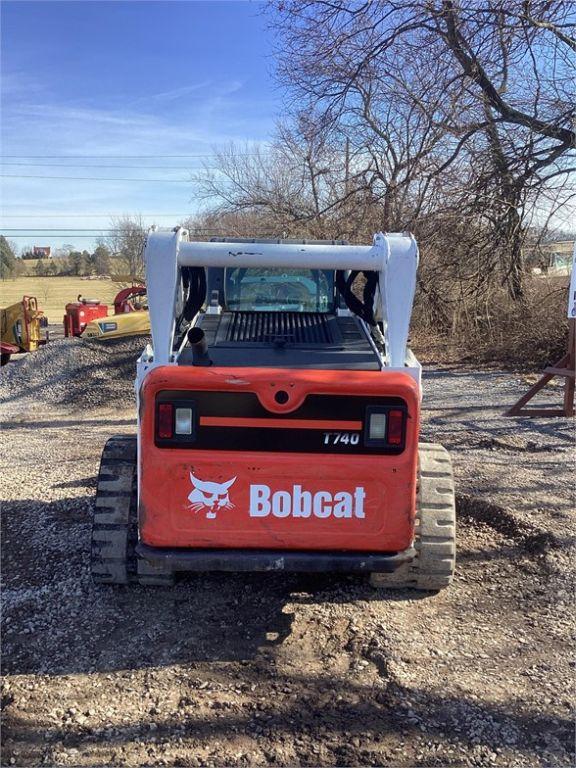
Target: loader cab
[[277, 318], [272, 290], [240, 289], [281, 290]]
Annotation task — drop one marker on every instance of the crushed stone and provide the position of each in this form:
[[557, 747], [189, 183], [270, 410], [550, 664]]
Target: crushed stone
[[73, 374]]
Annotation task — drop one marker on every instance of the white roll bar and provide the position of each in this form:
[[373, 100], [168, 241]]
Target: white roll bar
[[393, 256]]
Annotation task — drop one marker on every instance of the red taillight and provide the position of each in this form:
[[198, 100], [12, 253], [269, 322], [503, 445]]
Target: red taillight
[[165, 425], [395, 427]]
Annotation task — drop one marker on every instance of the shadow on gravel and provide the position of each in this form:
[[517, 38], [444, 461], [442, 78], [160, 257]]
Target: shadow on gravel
[[224, 629], [83, 482], [332, 713], [63, 424], [59, 622]]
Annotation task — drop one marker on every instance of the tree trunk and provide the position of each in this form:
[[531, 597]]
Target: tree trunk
[[512, 241]]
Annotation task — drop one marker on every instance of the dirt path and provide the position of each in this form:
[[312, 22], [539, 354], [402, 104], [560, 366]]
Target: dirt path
[[296, 670]]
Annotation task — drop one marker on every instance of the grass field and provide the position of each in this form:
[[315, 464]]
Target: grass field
[[53, 293], [31, 264]]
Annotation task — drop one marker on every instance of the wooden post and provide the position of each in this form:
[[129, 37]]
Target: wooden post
[[571, 366], [565, 367]]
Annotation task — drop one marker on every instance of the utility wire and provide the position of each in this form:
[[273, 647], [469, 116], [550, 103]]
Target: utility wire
[[87, 229], [194, 233], [52, 237], [122, 157], [59, 229], [97, 178], [91, 165], [118, 215]]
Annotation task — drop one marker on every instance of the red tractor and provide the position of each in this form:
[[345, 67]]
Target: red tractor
[[83, 311], [278, 420]]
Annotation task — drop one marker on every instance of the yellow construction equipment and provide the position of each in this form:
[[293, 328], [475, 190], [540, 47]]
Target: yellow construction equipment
[[119, 326], [130, 318], [21, 328]]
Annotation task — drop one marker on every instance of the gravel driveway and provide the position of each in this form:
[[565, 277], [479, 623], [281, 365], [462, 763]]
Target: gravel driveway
[[286, 669]]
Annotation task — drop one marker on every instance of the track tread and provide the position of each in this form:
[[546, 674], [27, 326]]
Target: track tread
[[114, 528], [435, 527]]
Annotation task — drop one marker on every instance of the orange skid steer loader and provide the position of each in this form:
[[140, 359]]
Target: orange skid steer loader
[[278, 420]]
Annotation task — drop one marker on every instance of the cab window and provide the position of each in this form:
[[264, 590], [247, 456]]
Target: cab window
[[280, 290]]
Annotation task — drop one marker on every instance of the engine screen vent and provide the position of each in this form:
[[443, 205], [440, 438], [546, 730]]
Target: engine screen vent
[[279, 328]]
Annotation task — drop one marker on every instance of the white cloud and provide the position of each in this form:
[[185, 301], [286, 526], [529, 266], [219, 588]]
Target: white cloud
[[188, 120], [172, 95]]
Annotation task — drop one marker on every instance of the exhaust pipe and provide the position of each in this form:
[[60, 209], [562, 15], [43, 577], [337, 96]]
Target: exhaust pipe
[[197, 340]]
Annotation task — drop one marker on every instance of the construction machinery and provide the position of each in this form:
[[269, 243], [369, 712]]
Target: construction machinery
[[278, 420], [81, 312], [22, 328], [90, 318]]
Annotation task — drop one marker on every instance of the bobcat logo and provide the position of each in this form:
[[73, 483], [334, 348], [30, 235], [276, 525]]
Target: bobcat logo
[[209, 496]]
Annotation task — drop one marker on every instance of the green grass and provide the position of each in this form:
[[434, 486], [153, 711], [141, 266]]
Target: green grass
[[53, 293], [28, 266]]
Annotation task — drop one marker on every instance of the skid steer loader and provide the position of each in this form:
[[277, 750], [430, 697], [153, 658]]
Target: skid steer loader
[[278, 420]]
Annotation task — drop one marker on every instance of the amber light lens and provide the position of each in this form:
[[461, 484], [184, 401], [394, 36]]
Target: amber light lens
[[395, 427], [165, 420]]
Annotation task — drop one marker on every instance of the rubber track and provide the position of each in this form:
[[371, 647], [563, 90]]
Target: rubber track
[[435, 526], [114, 529]]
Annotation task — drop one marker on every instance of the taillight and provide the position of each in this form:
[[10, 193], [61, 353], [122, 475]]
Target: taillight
[[377, 426], [176, 420], [183, 421], [384, 427], [395, 434], [165, 422]]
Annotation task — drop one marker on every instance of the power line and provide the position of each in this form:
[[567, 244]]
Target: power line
[[193, 232], [85, 215], [123, 157], [100, 231], [64, 230], [97, 178], [59, 229], [91, 165]]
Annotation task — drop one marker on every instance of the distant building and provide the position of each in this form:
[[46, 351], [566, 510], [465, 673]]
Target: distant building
[[552, 259], [42, 252]]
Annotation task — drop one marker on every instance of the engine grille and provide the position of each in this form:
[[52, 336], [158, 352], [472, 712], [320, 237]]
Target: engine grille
[[279, 327]]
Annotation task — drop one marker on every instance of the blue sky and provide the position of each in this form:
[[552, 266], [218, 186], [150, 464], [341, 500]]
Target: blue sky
[[119, 79]]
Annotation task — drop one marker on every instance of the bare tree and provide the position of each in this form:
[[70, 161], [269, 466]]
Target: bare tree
[[126, 243], [294, 183], [424, 87]]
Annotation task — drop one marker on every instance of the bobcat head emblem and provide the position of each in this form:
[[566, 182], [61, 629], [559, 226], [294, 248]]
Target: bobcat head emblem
[[209, 496]]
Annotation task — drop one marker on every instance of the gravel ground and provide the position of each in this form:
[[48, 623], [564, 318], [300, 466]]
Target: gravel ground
[[71, 375], [286, 669]]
